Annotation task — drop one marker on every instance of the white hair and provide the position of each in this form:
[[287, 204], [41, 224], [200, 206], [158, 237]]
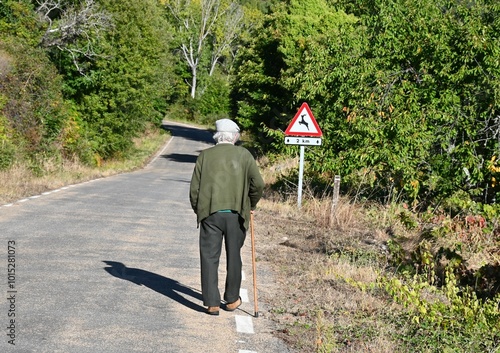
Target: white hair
[[225, 137]]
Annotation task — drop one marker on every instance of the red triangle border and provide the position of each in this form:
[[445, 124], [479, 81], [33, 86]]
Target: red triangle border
[[315, 134]]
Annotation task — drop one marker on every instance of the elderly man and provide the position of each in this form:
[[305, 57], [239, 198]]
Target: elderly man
[[225, 188]]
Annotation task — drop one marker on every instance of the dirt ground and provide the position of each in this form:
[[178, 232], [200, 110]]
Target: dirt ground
[[310, 295]]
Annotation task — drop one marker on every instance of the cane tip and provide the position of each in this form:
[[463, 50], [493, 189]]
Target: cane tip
[[256, 314]]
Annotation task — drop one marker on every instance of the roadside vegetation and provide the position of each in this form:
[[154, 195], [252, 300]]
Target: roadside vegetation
[[407, 95], [363, 277]]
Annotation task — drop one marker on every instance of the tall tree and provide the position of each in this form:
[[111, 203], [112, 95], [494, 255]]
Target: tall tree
[[206, 29], [119, 95]]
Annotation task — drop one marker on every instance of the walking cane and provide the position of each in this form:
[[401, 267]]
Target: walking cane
[[256, 309]]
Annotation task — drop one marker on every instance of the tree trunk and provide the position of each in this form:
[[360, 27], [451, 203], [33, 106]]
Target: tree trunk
[[193, 82]]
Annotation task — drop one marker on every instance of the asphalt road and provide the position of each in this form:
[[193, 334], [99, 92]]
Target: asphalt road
[[112, 265]]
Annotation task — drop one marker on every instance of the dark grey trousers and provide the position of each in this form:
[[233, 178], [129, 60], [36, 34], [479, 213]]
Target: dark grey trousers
[[214, 229]]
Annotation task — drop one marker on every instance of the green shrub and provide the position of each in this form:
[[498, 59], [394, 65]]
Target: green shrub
[[31, 102], [214, 100], [7, 155], [449, 318]]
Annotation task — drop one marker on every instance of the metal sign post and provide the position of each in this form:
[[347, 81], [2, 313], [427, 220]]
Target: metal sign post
[[301, 173]]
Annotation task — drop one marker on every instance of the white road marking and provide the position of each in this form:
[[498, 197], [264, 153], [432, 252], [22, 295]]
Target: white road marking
[[244, 324], [244, 351], [244, 295], [48, 193], [160, 153]]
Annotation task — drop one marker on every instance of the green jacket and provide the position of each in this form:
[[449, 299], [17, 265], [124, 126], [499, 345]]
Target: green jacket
[[225, 177]]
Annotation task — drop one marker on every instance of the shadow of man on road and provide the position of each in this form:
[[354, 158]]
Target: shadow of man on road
[[181, 158], [163, 285]]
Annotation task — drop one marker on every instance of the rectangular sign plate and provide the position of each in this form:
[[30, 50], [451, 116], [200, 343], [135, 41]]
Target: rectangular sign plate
[[303, 141]]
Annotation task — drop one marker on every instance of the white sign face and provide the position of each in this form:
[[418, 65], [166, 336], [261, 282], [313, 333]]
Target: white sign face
[[303, 141]]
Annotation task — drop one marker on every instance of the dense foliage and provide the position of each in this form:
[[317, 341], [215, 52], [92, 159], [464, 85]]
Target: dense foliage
[[33, 111], [407, 96], [406, 93], [126, 85], [82, 80]]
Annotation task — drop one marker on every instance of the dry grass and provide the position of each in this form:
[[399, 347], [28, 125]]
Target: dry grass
[[5, 64], [329, 260], [325, 260], [19, 181]]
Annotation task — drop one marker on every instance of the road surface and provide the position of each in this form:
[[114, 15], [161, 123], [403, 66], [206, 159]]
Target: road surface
[[112, 266]]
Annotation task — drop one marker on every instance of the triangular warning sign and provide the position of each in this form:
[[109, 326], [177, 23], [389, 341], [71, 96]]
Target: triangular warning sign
[[303, 124]]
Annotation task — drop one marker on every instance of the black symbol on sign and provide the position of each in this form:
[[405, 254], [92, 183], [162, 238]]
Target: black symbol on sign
[[303, 122]]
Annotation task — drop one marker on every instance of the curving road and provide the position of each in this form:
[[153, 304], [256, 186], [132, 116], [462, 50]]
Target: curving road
[[112, 266]]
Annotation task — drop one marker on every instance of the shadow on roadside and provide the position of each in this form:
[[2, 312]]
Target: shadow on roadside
[[163, 285], [190, 133]]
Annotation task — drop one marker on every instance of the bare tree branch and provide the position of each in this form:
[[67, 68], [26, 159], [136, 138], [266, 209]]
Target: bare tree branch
[[72, 29], [233, 26]]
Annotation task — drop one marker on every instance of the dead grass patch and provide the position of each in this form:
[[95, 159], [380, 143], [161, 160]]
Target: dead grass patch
[[5, 64], [324, 272], [331, 264]]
